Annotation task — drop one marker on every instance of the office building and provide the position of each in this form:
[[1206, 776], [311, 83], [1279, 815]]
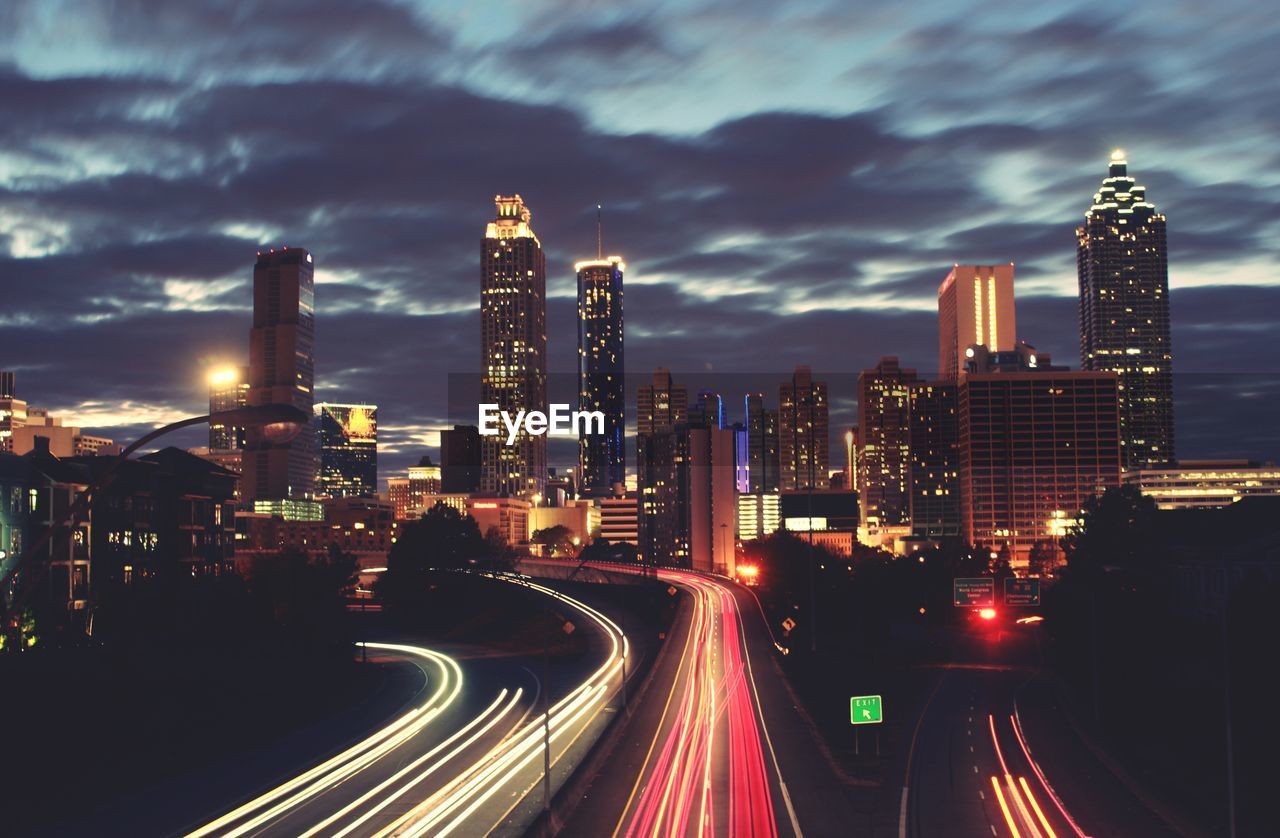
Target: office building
[[1122, 264], [707, 410], [975, 307], [660, 405], [763, 459], [1036, 442], [802, 432], [884, 461], [460, 460], [348, 439], [60, 440], [228, 390], [601, 384], [1206, 484], [759, 515], [663, 538], [934, 440], [282, 371], [507, 517], [513, 347], [710, 514], [407, 494]]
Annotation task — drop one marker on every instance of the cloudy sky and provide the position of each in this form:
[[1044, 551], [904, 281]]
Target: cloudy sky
[[788, 182]]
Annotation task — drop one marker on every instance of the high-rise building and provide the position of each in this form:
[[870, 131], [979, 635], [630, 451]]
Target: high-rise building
[[802, 432], [763, 463], [513, 347], [601, 386], [975, 307], [228, 390], [707, 411], [407, 494], [1036, 442], [13, 411], [1123, 269], [661, 531], [348, 437], [934, 439], [711, 499], [282, 371], [460, 460], [884, 464], [661, 405]]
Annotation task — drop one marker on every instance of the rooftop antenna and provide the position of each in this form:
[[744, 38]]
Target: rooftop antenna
[[599, 235]]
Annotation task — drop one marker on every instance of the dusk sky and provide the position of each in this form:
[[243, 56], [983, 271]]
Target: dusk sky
[[788, 184]]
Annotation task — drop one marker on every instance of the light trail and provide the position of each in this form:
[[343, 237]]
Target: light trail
[[1044, 781], [258, 812], [1014, 795], [1004, 809], [714, 733], [503, 765]]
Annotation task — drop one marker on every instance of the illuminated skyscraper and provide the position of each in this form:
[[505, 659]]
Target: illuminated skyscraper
[[348, 436], [975, 306], [601, 458], [934, 432], [228, 390], [707, 411], [1123, 269], [884, 463], [763, 464], [282, 371], [513, 347], [802, 432], [662, 405]]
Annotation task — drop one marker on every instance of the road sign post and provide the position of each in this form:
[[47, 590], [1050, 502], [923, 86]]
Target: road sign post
[[974, 592], [865, 710], [1021, 591]]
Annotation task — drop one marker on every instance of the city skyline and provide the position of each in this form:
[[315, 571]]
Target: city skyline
[[764, 247]]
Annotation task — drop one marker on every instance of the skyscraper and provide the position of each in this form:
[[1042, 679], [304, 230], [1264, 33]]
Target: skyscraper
[[934, 435], [661, 405], [1036, 442], [513, 347], [460, 460], [282, 371], [348, 437], [763, 462], [601, 386], [802, 432], [228, 390], [884, 465], [975, 306], [707, 411], [13, 411], [1122, 264]]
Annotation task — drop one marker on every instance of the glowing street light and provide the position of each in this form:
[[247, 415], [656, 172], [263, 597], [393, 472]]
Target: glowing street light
[[987, 613]]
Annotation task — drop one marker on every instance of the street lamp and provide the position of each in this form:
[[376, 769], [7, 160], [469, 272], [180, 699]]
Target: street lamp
[[279, 423]]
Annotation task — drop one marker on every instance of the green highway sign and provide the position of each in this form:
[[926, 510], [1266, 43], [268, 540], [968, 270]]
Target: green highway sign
[[974, 592], [865, 710], [1021, 591]]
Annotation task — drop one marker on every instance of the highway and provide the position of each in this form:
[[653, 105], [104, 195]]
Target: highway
[[991, 757], [447, 765]]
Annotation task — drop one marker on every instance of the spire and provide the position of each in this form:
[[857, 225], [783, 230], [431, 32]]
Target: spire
[[599, 235]]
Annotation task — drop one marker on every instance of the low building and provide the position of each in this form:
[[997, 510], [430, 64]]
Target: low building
[[409, 493], [580, 517], [619, 519], [508, 516], [759, 515], [1205, 484]]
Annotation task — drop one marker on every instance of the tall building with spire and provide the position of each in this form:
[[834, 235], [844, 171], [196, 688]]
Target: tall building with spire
[[1122, 264], [282, 371], [513, 347], [975, 307], [601, 387]]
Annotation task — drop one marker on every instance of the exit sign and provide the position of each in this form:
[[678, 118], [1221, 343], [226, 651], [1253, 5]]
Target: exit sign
[[974, 592], [865, 710]]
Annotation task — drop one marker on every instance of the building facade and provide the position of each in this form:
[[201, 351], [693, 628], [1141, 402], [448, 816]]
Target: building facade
[[803, 432], [1035, 444], [619, 519], [1122, 265], [282, 371], [410, 493], [763, 459], [934, 440], [513, 347], [460, 459], [228, 390], [601, 384], [348, 438], [661, 405], [884, 461], [1206, 484]]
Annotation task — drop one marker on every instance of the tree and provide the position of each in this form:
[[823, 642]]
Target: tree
[[604, 550], [556, 540], [305, 596], [1115, 530], [442, 538]]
